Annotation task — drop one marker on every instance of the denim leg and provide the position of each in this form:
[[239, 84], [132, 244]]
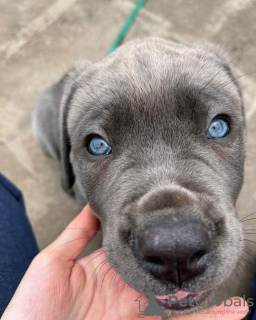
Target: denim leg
[[252, 315], [17, 242]]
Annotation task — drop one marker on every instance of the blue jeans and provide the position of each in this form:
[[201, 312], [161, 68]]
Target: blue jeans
[[17, 242], [253, 309]]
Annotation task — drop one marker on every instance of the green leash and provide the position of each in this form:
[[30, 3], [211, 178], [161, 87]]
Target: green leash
[[127, 26]]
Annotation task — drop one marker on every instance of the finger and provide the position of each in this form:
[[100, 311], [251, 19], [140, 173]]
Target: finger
[[221, 312], [75, 237]]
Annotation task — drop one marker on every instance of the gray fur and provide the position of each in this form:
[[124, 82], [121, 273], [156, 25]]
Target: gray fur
[[153, 101]]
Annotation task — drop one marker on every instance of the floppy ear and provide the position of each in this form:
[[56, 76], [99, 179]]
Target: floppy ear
[[49, 122], [67, 174]]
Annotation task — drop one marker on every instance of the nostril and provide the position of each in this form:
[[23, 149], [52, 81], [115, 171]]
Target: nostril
[[200, 260], [196, 256], [154, 265], [155, 260]]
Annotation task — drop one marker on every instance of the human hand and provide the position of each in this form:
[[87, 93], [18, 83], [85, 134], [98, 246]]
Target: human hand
[[57, 285]]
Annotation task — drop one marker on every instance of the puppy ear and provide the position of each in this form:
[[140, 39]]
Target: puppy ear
[[67, 173]]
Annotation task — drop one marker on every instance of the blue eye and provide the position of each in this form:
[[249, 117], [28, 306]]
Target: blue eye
[[219, 128], [98, 146]]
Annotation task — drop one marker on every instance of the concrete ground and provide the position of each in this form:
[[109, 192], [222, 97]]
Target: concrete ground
[[38, 39]]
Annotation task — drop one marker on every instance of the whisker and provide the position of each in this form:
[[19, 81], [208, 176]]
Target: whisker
[[237, 274], [222, 85], [73, 255], [104, 261], [102, 265], [70, 242], [241, 274], [96, 251], [250, 242], [238, 55], [249, 254], [105, 276], [119, 281], [78, 85], [89, 262], [114, 274], [247, 216], [245, 262], [88, 84], [248, 219], [127, 289], [115, 281]]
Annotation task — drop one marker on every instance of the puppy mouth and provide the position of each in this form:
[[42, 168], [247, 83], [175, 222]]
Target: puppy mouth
[[182, 300]]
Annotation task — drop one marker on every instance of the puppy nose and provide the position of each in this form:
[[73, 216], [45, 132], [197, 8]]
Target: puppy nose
[[176, 252]]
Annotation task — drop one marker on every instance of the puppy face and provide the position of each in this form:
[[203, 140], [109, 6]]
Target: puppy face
[[166, 192]]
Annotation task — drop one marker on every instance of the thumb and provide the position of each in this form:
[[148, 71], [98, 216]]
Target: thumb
[[75, 237]]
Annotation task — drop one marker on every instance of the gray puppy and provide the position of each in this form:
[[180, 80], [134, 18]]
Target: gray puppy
[[153, 137]]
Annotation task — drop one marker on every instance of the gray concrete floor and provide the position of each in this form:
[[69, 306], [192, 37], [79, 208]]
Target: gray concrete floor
[[40, 38]]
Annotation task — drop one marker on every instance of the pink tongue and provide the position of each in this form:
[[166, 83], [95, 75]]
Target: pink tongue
[[179, 295]]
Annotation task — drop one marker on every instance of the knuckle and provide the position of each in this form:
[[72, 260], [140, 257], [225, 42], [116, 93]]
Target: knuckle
[[43, 259]]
